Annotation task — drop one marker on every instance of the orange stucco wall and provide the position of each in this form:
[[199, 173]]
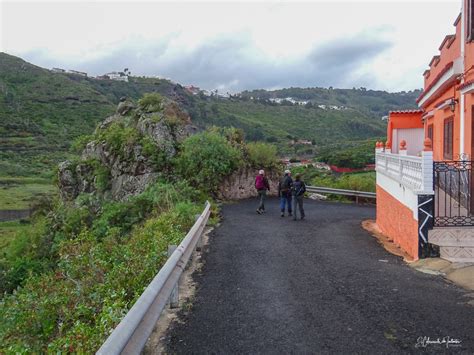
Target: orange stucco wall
[[438, 125], [447, 55], [403, 120], [396, 221]]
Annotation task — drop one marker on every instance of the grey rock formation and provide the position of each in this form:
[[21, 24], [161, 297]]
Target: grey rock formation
[[128, 171], [241, 184], [67, 180], [125, 106]]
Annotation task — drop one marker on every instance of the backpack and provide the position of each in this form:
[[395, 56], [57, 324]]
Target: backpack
[[260, 182], [299, 188], [285, 183]]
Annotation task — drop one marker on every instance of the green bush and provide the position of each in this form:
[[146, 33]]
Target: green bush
[[29, 253], [350, 155], [262, 155], [206, 158], [80, 143], [151, 102], [100, 174], [350, 181], [158, 158], [103, 260], [117, 137]]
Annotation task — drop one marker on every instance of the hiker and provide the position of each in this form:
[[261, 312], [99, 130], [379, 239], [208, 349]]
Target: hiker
[[298, 189], [284, 192], [262, 186]]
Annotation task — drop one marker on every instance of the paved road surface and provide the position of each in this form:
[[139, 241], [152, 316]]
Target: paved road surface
[[322, 285]]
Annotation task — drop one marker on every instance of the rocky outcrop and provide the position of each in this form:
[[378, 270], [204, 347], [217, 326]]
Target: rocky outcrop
[[241, 184], [126, 153]]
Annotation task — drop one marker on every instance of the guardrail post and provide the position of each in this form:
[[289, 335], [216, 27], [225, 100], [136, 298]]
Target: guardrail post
[[174, 297]]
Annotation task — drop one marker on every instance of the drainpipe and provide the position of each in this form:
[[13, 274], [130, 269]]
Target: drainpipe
[[461, 117], [462, 134]]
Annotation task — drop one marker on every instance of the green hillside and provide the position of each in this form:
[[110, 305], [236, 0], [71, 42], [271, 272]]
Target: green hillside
[[41, 113], [371, 103], [282, 123]]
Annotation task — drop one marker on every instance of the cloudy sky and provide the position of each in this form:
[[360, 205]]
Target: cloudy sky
[[234, 46]]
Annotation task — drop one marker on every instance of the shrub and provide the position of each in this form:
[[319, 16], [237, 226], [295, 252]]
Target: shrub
[[117, 137], [102, 268], [100, 174], [262, 155], [80, 143], [151, 102], [29, 253], [352, 181], [234, 136], [158, 158], [206, 158]]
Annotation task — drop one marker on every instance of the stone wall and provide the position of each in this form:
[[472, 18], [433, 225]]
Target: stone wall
[[241, 184]]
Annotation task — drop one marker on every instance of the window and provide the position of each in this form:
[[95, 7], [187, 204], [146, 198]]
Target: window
[[448, 139], [430, 132]]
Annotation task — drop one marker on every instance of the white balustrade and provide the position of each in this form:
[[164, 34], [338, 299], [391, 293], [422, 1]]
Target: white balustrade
[[412, 172]]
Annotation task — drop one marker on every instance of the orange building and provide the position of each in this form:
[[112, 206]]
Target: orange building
[[425, 180]]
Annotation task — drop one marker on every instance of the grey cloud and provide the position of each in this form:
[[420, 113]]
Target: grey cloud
[[235, 64]]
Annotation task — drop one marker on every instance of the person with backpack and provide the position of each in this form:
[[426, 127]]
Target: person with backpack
[[284, 192], [298, 189], [262, 186]]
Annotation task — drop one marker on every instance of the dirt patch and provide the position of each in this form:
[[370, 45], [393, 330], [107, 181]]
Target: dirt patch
[[463, 277], [371, 227], [187, 289], [461, 274]]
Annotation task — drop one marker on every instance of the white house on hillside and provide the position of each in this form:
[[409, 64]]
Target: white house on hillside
[[119, 76]]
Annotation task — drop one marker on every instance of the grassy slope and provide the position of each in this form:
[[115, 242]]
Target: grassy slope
[[19, 193], [40, 113], [324, 127], [369, 102], [8, 231]]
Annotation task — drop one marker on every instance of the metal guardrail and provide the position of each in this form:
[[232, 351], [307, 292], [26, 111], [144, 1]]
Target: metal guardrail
[[327, 190], [130, 336]]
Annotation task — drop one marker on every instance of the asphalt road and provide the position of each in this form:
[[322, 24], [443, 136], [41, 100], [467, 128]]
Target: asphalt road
[[322, 285]]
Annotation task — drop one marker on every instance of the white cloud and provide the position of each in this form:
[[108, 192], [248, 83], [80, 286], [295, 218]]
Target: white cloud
[[234, 46]]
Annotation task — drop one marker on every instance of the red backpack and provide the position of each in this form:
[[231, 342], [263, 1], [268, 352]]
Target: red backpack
[[260, 182]]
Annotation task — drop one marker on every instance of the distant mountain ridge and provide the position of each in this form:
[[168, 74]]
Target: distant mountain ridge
[[41, 113], [372, 102]]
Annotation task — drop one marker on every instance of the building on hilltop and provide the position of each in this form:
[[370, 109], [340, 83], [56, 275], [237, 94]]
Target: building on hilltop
[[194, 90], [58, 70], [75, 72], [425, 180], [119, 76]]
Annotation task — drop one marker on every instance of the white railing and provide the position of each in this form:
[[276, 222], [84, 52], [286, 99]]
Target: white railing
[[415, 173]]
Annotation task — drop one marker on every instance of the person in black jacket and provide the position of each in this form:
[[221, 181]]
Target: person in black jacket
[[284, 192], [298, 189]]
